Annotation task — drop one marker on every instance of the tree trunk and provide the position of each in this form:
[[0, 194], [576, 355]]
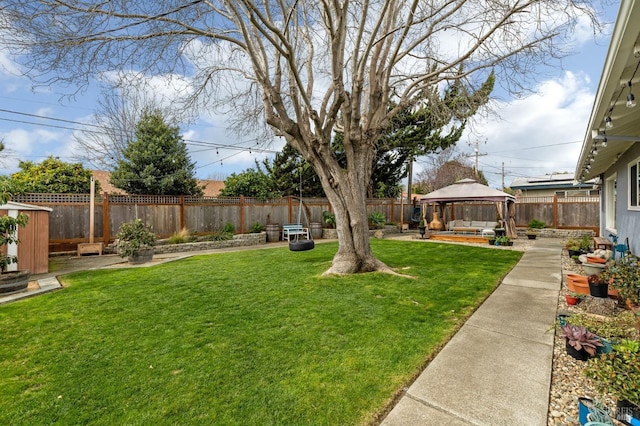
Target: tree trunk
[[354, 250], [347, 196]]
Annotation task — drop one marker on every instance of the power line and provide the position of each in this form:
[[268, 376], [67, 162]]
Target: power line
[[102, 131]]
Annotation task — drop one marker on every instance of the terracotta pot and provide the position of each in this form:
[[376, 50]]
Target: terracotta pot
[[571, 300], [578, 283]]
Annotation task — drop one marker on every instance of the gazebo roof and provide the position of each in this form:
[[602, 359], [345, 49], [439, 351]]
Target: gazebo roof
[[466, 190]]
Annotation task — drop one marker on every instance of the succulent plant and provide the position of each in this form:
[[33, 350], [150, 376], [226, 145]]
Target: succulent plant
[[580, 338]]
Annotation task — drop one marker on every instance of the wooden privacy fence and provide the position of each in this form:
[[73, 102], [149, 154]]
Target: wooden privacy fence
[[69, 220]]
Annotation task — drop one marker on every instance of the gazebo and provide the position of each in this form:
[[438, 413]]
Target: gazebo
[[470, 190]]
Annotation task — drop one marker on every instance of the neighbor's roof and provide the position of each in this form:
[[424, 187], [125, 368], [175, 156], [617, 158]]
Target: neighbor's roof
[[211, 188], [556, 180], [466, 190]]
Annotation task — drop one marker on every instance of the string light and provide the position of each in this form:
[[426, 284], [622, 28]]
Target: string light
[[631, 100]]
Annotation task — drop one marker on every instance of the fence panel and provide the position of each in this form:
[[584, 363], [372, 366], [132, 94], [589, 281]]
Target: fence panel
[[69, 220], [578, 213]]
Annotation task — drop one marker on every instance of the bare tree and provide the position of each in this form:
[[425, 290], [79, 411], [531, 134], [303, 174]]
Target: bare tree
[[4, 154], [114, 123], [306, 66]]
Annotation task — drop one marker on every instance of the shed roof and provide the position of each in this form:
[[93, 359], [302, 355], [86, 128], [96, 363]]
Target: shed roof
[[11, 205], [466, 190]]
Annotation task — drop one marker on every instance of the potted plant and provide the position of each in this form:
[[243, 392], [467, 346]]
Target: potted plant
[[422, 228], [624, 275], [532, 234], [598, 287], [586, 243], [533, 228], [618, 373], [492, 240], [12, 281], [503, 240], [581, 343], [329, 219], [573, 298], [135, 241]]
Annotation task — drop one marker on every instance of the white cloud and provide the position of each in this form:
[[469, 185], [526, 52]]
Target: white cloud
[[536, 135]]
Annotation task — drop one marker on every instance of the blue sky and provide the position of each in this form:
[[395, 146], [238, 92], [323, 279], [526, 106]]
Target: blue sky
[[538, 134]]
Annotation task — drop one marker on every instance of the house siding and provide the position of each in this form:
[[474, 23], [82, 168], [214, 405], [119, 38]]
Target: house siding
[[627, 221]]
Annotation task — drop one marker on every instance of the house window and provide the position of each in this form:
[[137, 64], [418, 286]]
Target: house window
[[610, 203], [634, 184]]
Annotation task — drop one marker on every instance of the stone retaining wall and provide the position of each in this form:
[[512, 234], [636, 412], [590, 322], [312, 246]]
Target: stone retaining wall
[[239, 240], [558, 233]]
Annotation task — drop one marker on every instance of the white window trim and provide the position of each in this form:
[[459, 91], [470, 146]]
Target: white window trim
[[610, 201], [634, 162]]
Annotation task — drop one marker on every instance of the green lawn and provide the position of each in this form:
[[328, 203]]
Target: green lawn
[[255, 337]]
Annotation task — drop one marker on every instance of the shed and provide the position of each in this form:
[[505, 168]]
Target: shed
[[470, 190], [33, 247]]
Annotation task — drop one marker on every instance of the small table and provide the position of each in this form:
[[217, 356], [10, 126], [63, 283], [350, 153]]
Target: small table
[[500, 232], [601, 242]]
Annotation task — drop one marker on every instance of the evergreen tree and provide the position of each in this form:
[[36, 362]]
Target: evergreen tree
[[285, 173], [156, 162]]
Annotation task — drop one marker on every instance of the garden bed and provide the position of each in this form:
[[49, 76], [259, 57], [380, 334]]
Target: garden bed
[[568, 382]]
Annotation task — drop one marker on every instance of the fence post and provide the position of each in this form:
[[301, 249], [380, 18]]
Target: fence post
[[393, 215], [555, 211], [290, 208], [183, 223], [106, 231], [242, 214]]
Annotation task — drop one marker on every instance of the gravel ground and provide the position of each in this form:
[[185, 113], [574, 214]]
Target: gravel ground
[[568, 383]]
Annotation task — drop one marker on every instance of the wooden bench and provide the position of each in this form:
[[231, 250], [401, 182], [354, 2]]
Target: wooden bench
[[291, 229], [602, 242]]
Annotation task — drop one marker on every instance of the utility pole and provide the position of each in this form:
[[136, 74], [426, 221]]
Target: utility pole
[[477, 154], [503, 175], [410, 178]]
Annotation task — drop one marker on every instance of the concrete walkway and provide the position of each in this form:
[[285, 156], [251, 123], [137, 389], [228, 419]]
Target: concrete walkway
[[497, 369]]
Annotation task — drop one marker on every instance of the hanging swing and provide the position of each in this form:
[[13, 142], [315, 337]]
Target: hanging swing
[[297, 244]]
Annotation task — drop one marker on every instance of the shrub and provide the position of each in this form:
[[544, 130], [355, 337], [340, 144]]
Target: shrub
[[618, 372], [229, 228], [536, 224], [180, 237], [256, 228], [329, 219], [377, 219], [617, 327], [133, 236], [624, 275]]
